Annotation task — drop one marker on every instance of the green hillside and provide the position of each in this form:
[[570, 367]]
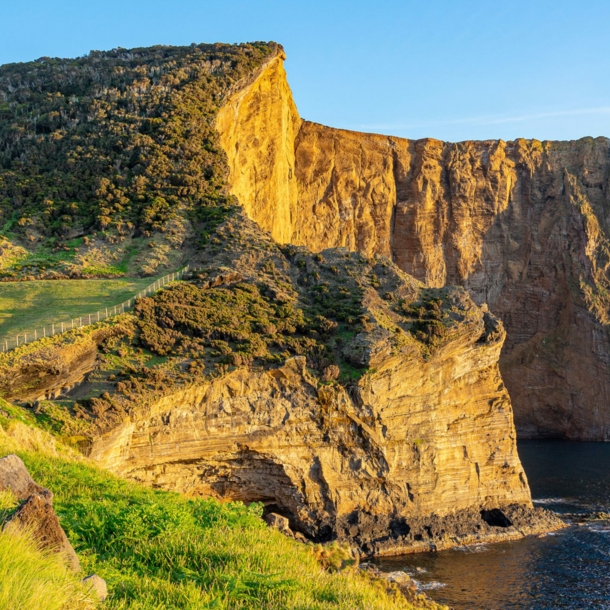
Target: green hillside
[[109, 148]]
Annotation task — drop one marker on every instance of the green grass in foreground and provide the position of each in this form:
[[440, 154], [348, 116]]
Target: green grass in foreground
[[33, 580], [36, 303], [160, 550]]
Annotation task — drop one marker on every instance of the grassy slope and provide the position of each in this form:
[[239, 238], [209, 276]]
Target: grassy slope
[[162, 550], [31, 579], [33, 304]]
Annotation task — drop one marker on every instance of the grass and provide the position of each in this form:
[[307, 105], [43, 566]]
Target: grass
[[31, 579], [161, 550], [36, 303]]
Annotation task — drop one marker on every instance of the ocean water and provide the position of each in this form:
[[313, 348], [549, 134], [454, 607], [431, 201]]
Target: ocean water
[[568, 569]]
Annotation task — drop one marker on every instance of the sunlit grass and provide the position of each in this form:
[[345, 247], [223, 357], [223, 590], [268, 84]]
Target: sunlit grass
[[31, 579], [33, 304]]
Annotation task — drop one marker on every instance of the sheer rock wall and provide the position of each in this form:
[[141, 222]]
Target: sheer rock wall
[[522, 225]]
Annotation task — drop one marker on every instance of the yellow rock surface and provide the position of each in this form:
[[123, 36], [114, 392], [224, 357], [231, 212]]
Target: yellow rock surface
[[258, 126], [522, 225]]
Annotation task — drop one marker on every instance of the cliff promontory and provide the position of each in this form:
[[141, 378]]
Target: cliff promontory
[[523, 226], [393, 429]]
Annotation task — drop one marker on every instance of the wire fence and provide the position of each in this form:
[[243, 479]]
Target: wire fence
[[107, 312]]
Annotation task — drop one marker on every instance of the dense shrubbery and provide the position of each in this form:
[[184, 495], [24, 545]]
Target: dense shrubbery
[[116, 140]]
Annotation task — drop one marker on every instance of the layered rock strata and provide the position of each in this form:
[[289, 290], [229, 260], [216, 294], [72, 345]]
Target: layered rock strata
[[522, 225], [417, 452]]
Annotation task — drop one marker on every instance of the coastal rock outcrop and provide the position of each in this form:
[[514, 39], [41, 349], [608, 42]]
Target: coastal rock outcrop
[[417, 452], [522, 225], [35, 514]]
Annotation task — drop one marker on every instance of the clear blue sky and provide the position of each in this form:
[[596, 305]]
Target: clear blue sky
[[454, 70]]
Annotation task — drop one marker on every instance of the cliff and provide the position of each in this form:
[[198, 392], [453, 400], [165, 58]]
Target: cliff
[[267, 186], [414, 450], [523, 226]]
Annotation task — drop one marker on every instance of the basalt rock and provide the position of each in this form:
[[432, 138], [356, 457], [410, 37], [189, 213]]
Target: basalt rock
[[36, 515], [524, 226]]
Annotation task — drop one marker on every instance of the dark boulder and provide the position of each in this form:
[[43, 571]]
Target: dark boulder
[[37, 517]]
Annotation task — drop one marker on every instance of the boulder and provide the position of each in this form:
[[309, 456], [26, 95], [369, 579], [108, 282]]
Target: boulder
[[278, 522], [37, 516], [98, 585], [15, 477]]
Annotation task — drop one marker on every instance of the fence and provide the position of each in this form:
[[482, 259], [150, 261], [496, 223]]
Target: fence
[[91, 318]]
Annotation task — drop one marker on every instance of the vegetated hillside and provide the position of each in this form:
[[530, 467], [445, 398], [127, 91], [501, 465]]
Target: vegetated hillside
[[162, 550], [107, 161], [248, 303]]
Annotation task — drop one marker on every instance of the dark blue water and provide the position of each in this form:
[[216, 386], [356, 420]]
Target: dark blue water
[[565, 570]]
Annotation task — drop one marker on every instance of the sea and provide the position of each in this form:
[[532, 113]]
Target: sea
[[566, 569]]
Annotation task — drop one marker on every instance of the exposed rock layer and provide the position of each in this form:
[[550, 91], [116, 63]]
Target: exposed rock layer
[[417, 455], [52, 369], [522, 225]]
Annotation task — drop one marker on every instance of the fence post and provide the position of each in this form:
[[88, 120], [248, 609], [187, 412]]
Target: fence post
[[25, 338], [98, 316], [52, 330], [62, 327], [80, 321]]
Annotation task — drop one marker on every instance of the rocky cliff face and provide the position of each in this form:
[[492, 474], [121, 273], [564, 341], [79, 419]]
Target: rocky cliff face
[[261, 160], [419, 454], [522, 225]]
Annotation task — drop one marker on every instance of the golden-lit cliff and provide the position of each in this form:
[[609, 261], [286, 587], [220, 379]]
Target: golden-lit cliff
[[258, 126], [522, 225]]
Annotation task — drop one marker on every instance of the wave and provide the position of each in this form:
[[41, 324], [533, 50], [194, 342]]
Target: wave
[[473, 548], [428, 586], [553, 501]]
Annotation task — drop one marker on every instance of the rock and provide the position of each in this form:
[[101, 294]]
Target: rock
[[412, 456], [261, 122], [300, 537], [98, 585], [14, 476], [399, 577], [37, 516], [522, 225], [278, 522]]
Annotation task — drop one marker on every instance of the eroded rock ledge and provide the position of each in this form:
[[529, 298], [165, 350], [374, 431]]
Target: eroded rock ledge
[[419, 453]]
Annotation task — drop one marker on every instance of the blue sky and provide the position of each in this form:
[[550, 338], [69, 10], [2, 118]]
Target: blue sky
[[466, 69]]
